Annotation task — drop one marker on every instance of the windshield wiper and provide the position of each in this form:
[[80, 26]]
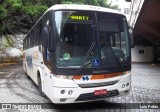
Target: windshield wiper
[[116, 58], [86, 56]]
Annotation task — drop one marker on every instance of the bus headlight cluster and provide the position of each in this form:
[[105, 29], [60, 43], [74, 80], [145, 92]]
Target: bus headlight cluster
[[64, 77], [125, 85], [70, 92], [126, 72], [62, 91]]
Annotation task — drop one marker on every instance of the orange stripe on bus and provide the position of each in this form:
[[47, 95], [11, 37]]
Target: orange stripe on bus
[[105, 76], [78, 77]]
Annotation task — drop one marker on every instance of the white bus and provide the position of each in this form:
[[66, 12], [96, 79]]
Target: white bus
[[79, 53]]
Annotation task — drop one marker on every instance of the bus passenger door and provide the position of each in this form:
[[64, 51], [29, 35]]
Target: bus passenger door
[[46, 32]]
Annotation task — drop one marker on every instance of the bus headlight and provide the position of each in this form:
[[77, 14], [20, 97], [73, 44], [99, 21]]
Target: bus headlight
[[63, 77], [70, 92], [126, 72], [63, 91]]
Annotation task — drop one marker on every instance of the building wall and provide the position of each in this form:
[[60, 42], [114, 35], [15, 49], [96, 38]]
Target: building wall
[[142, 54], [124, 7], [158, 54], [136, 6]]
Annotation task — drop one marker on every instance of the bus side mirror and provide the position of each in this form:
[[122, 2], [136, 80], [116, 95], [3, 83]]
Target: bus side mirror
[[131, 39]]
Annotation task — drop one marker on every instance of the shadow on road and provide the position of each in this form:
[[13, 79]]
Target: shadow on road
[[90, 106]]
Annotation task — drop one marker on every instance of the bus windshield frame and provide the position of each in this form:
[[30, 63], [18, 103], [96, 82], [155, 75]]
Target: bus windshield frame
[[76, 31]]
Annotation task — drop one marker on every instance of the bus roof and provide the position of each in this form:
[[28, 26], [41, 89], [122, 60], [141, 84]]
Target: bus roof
[[83, 7], [79, 7]]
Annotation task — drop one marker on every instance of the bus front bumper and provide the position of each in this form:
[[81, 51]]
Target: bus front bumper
[[75, 95]]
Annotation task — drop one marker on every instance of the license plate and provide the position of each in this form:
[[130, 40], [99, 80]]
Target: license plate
[[100, 92]]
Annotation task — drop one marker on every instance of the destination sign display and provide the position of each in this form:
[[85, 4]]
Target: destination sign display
[[79, 17]]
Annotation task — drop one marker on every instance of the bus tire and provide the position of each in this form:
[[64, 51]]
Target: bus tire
[[27, 73], [25, 69], [40, 87], [28, 76]]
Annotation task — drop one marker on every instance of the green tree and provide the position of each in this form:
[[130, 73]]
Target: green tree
[[102, 3], [8, 41], [12, 12], [15, 14]]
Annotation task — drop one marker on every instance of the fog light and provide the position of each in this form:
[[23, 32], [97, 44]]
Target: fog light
[[63, 99], [62, 91], [70, 92], [127, 84], [123, 86], [126, 91]]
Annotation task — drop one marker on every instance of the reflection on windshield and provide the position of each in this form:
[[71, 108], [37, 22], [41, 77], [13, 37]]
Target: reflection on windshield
[[113, 40], [75, 36]]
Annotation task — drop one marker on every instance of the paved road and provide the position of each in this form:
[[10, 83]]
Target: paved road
[[15, 87]]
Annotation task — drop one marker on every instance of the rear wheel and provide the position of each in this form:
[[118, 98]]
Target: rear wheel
[[28, 76], [25, 68], [26, 71]]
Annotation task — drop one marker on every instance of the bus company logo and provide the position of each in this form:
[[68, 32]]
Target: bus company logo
[[85, 78], [35, 55]]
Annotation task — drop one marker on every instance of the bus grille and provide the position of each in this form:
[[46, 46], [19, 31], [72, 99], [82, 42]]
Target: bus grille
[[91, 96], [97, 84]]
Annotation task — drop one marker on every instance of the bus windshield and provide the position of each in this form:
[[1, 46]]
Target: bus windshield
[[78, 30]]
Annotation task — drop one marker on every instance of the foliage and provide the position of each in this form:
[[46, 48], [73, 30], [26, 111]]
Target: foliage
[[24, 13], [102, 3], [12, 12], [8, 41]]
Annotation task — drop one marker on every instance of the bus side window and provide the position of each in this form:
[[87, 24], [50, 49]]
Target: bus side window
[[39, 35], [46, 32]]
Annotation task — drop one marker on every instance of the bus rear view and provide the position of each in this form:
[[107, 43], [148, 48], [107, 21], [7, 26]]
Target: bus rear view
[[83, 54]]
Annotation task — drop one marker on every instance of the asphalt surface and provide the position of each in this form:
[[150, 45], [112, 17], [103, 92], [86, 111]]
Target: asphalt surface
[[17, 89]]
